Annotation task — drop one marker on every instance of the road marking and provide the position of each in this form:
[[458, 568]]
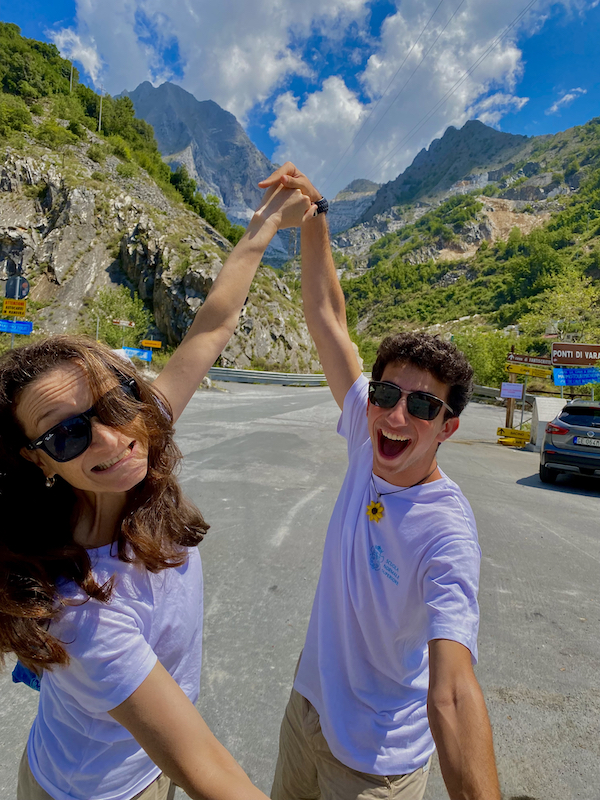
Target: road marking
[[287, 523]]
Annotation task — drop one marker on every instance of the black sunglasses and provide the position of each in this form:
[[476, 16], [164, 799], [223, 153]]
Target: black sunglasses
[[73, 436], [419, 404]]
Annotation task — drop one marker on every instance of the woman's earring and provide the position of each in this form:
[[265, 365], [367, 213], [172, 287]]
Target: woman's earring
[[50, 481]]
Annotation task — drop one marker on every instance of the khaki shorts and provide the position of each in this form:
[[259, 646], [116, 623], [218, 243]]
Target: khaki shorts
[[29, 789], [307, 769]]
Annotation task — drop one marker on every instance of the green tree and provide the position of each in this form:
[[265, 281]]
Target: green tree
[[571, 305], [486, 352], [116, 303]]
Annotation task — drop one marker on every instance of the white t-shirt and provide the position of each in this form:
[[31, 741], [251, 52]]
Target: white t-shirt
[[386, 589], [76, 750]]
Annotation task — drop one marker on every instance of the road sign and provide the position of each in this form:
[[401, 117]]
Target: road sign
[[518, 358], [512, 390], [525, 369], [134, 352], [24, 328], [123, 323], [576, 377], [514, 433], [575, 355], [14, 308], [17, 287], [150, 343]]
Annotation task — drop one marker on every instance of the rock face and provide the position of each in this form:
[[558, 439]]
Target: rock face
[[207, 139], [348, 205], [71, 234], [213, 147]]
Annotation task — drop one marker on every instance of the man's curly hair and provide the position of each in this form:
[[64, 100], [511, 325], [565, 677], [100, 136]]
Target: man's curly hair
[[439, 357]]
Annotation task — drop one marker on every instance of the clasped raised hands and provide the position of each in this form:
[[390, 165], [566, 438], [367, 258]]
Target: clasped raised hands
[[290, 197]]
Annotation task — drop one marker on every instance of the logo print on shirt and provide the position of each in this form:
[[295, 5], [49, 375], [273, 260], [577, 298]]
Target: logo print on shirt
[[376, 557]]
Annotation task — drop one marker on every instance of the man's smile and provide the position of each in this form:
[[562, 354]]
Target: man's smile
[[391, 444]]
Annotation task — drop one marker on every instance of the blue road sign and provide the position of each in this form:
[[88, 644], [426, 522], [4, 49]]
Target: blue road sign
[[24, 328], [17, 288], [576, 377], [144, 355]]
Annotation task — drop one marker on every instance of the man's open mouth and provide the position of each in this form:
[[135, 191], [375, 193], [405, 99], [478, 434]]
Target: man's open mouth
[[390, 444]]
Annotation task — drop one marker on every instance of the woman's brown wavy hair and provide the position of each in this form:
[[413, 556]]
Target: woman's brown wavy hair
[[37, 550]]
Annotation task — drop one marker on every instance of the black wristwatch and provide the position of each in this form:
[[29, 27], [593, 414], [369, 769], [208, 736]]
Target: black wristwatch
[[322, 206]]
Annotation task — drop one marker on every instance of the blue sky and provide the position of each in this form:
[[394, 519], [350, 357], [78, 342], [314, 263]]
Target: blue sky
[[303, 78]]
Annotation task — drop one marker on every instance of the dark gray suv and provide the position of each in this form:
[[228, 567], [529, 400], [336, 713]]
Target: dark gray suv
[[572, 441]]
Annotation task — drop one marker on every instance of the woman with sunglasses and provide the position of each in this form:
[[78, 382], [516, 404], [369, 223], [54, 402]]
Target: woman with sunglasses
[[386, 673], [100, 577]]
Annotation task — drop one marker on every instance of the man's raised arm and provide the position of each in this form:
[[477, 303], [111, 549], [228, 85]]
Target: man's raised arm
[[324, 306]]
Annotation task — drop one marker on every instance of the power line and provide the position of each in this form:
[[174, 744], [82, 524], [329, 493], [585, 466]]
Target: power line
[[451, 91], [397, 95], [370, 114]]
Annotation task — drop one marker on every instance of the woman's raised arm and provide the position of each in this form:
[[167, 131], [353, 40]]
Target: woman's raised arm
[[217, 318]]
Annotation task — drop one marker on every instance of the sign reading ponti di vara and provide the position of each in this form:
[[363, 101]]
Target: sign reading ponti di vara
[[575, 354]]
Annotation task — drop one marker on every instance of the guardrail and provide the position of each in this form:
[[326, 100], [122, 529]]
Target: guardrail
[[257, 376], [295, 379]]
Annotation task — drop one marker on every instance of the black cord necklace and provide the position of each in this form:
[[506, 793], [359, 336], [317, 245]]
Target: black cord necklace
[[375, 509]]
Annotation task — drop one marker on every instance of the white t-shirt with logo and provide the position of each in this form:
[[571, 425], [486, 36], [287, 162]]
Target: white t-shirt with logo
[[385, 590], [76, 750]]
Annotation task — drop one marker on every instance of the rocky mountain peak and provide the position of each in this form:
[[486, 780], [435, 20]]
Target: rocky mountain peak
[[448, 159], [208, 141]]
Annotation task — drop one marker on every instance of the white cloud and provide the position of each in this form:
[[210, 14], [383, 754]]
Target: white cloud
[[72, 46], [244, 55], [565, 100], [491, 109]]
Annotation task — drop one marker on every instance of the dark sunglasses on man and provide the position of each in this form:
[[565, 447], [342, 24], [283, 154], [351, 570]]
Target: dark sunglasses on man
[[72, 437], [421, 405]]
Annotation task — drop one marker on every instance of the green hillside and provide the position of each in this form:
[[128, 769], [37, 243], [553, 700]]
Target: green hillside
[[550, 276], [36, 95]]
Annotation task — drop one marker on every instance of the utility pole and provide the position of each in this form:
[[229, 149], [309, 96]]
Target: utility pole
[[100, 114], [71, 81]]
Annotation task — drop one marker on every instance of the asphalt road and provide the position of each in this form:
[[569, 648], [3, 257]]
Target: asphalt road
[[264, 465]]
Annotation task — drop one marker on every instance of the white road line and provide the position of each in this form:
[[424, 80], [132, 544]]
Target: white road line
[[287, 523]]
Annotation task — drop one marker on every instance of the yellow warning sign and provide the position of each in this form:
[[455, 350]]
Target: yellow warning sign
[[14, 308]]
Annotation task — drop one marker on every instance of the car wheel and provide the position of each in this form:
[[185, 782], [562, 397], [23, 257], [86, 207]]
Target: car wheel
[[547, 475]]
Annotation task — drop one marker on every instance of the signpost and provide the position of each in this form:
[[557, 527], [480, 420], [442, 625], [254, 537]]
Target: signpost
[[512, 390], [123, 323], [134, 352], [576, 377], [24, 328], [530, 367], [575, 355], [522, 358], [17, 287], [14, 308], [513, 437], [525, 369], [151, 343]]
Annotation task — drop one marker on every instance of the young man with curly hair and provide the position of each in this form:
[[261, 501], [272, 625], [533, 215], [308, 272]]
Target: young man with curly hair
[[386, 673]]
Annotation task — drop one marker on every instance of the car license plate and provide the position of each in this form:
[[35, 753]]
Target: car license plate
[[587, 442]]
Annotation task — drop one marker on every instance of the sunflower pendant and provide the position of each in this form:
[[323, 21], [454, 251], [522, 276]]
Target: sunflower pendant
[[375, 511]]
